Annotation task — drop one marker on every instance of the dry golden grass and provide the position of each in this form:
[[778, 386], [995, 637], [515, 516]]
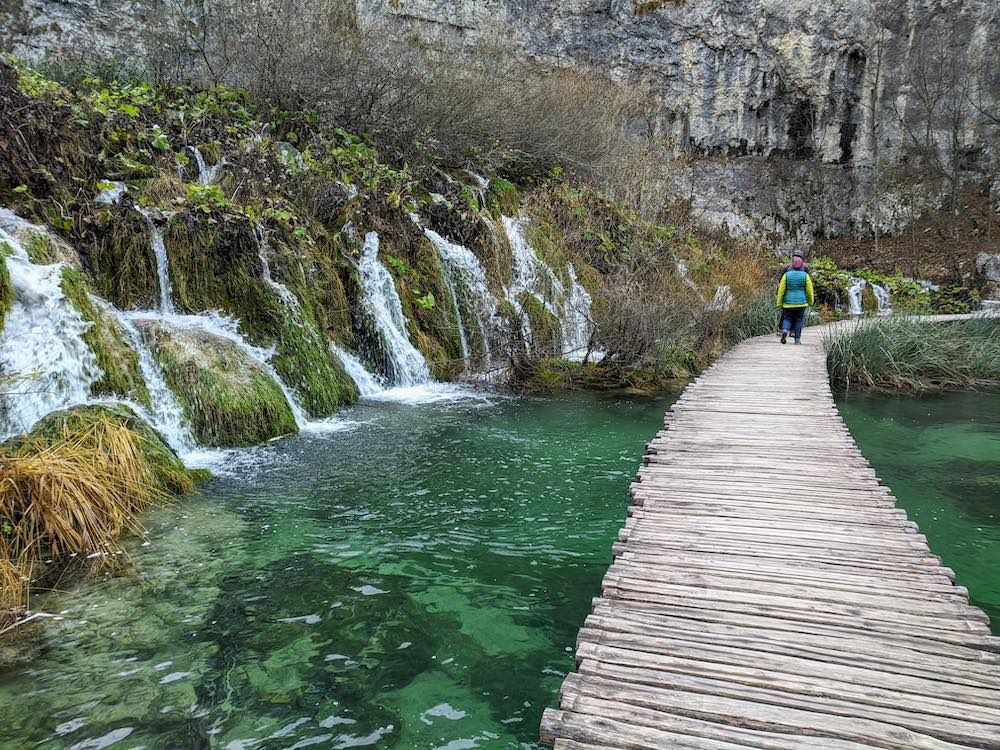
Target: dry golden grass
[[74, 493]]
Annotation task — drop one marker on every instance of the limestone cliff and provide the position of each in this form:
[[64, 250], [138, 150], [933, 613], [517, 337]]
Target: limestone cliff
[[843, 83]]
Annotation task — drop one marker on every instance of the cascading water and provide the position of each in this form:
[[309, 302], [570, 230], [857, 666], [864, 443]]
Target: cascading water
[[883, 298], [219, 325], [43, 356], [367, 382], [206, 175], [160, 253], [576, 323], [165, 413], [530, 275], [112, 194], [474, 302], [854, 292], [285, 294], [382, 304]]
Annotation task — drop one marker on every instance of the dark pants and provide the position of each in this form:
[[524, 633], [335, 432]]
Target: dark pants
[[792, 320]]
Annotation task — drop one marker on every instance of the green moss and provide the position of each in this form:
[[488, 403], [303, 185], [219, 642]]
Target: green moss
[[215, 264], [228, 399], [121, 259], [39, 248], [6, 288], [502, 198], [115, 355], [167, 469], [434, 329], [546, 333]]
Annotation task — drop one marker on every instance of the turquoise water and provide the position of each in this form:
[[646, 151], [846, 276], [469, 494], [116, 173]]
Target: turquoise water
[[941, 457], [416, 581]]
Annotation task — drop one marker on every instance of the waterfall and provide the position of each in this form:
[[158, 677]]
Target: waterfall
[[284, 293], [368, 383], [165, 413], [470, 291], [160, 253], [882, 297], [381, 302], [854, 292], [43, 357], [206, 175], [110, 195], [530, 275], [219, 325], [576, 325]]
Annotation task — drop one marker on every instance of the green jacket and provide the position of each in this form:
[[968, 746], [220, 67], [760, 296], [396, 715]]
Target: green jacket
[[795, 290]]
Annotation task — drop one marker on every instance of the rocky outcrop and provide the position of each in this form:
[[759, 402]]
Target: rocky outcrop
[[840, 83]]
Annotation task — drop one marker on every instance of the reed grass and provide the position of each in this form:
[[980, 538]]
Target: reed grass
[[71, 488], [909, 354]]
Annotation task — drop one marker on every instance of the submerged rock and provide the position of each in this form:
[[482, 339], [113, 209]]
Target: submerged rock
[[229, 399]]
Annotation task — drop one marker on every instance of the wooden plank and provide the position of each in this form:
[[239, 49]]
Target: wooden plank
[[756, 602]]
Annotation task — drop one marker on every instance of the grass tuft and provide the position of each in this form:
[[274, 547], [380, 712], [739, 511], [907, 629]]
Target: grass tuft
[[908, 354], [71, 487]]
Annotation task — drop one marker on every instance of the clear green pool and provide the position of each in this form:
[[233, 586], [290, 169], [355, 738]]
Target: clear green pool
[[414, 582], [941, 457]]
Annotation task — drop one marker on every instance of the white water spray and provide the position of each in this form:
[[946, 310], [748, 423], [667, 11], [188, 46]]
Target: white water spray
[[854, 292], [160, 253], [42, 351], [367, 382], [883, 299], [576, 323], [474, 302], [381, 302], [206, 175], [285, 294]]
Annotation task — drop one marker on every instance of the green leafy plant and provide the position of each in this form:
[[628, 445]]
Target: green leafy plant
[[397, 264], [206, 198], [426, 302]]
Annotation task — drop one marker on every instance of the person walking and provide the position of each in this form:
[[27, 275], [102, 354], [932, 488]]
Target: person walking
[[795, 294], [801, 256]]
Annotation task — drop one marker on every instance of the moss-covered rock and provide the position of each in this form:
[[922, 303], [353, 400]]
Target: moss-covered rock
[[6, 288], [546, 332], [168, 474], [228, 398], [121, 260], [215, 264], [502, 198], [115, 355]]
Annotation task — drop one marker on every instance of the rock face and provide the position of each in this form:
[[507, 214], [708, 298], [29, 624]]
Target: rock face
[[840, 86], [988, 265]]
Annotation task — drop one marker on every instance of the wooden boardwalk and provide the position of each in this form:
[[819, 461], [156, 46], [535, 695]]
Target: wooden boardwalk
[[767, 593]]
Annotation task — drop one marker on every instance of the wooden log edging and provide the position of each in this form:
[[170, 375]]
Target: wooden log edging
[[766, 592]]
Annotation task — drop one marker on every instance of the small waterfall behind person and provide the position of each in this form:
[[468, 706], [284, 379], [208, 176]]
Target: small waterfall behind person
[[854, 293], [42, 351], [381, 303], [470, 289]]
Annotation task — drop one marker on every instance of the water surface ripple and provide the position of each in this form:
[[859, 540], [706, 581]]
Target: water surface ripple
[[414, 582]]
